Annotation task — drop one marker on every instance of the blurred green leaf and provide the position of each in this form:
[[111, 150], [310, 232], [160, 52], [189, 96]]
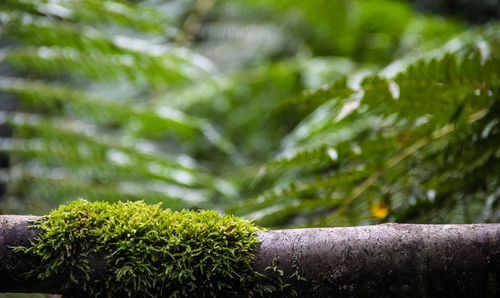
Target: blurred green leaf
[[315, 113]]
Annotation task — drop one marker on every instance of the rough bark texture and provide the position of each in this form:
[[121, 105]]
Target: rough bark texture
[[14, 232], [390, 260]]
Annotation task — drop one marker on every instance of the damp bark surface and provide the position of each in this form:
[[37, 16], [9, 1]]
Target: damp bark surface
[[389, 260], [13, 266]]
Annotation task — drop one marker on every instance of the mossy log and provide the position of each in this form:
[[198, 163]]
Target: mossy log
[[398, 260]]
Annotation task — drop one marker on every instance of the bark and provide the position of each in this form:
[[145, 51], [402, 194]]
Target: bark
[[389, 260], [14, 232]]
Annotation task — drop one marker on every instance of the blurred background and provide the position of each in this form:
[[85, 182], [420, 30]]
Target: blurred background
[[290, 113]]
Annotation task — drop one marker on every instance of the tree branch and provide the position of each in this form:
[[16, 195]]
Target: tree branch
[[401, 260]]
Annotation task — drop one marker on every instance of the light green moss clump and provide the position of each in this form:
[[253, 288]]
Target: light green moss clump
[[148, 251]]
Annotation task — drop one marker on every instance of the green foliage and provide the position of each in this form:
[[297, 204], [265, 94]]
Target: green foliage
[[314, 114], [278, 284], [355, 152], [82, 128], [148, 252]]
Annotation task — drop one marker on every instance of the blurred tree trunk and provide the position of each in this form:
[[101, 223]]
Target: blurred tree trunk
[[398, 260]]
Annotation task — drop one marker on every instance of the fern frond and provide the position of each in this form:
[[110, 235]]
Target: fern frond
[[63, 139], [394, 121], [121, 13], [58, 185], [171, 67]]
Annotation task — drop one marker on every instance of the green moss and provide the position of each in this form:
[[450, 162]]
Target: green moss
[[149, 252]]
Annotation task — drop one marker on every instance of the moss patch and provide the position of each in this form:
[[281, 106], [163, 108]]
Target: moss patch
[[148, 251]]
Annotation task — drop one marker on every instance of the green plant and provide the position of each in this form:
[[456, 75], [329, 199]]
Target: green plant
[[145, 251], [394, 141], [312, 114]]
